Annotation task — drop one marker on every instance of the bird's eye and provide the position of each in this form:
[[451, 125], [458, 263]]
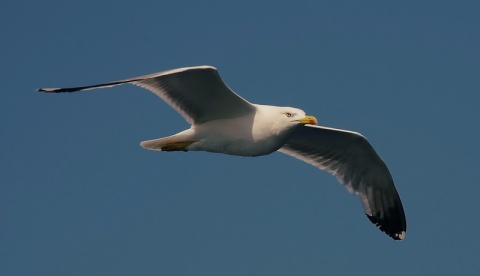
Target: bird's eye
[[288, 114]]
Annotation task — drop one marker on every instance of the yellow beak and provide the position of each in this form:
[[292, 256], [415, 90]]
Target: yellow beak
[[308, 120]]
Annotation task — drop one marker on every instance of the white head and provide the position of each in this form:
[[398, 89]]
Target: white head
[[280, 119]]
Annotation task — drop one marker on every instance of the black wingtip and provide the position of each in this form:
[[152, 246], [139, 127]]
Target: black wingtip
[[393, 229], [60, 90], [49, 90]]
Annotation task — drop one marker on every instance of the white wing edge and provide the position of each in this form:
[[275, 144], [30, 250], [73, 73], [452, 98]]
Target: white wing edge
[[120, 82]]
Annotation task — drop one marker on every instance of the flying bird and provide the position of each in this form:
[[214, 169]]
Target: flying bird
[[223, 122]]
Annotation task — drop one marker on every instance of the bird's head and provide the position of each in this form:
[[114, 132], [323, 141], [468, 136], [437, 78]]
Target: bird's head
[[281, 119], [295, 116]]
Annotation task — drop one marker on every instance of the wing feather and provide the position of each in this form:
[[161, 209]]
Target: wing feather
[[350, 157], [197, 93]]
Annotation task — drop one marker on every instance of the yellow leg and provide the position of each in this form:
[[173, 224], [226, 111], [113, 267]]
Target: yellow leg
[[177, 146]]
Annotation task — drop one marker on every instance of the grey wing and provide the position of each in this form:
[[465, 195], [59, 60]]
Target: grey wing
[[197, 93], [350, 157]]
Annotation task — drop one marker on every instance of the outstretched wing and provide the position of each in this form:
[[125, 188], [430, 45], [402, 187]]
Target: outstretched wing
[[197, 93], [351, 158]]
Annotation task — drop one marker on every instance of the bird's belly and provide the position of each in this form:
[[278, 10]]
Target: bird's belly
[[235, 137], [240, 147]]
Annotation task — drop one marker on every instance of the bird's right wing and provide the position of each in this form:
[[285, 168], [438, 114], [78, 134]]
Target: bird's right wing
[[197, 93], [351, 158]]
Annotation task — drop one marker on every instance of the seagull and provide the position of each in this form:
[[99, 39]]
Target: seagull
[[223, 122]]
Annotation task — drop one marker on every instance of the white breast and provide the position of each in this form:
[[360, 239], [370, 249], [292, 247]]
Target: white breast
[[244, 136]]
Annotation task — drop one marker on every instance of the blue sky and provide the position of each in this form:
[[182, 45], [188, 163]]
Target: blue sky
[[79, 196]]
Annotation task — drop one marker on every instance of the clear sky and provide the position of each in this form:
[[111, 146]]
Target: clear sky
[[79, 196]]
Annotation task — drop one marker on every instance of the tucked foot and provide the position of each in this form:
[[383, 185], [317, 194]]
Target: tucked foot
[[176, 146]]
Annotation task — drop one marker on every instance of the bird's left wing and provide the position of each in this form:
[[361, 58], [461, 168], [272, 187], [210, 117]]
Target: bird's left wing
[[198, 93], [350, 157]]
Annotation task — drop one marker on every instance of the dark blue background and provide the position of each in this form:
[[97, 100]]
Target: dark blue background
[[79, 196]]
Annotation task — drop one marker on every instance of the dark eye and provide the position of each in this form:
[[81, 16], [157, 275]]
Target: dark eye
[[288, 114]]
